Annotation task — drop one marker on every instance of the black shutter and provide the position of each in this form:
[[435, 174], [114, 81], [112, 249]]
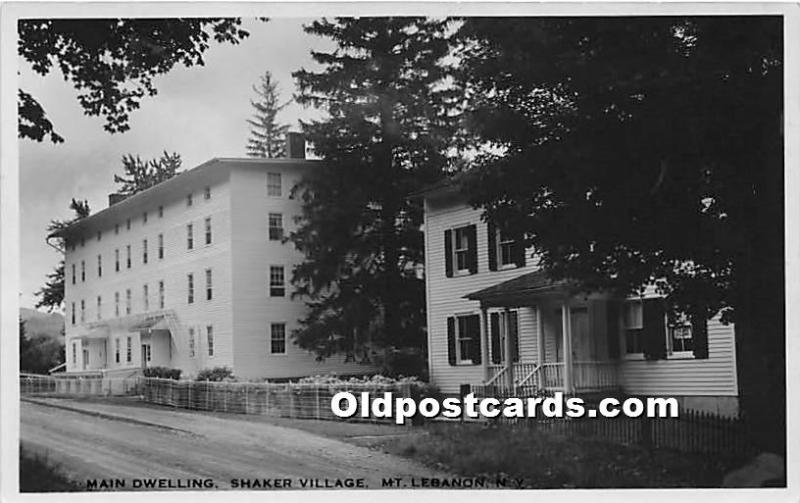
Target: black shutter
[[612, 328], [495, 330], [448, 253], [654, 329], [451, 340], [472, 248], [491, 233], [474, 331], [513, 332], [700, 336], [518, 251]]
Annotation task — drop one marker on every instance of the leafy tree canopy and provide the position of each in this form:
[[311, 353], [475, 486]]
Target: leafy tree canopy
[[111, 62], [390, 120], [141, 175], [267, 135]]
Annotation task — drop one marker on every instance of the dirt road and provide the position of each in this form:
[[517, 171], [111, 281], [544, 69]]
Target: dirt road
[[111, 441]]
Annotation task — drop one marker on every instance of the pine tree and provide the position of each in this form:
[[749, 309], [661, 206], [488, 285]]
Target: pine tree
[[141, 175], [390, 121], [51, 295], [267, 135]]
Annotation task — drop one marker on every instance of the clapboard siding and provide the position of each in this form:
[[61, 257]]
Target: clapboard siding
[[713, 376], [445, 294], [253, 253]]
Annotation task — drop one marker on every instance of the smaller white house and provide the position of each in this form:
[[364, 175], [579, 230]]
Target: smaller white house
[[193, 273], [495, 318]]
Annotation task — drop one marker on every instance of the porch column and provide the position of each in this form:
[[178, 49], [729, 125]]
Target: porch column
[[509, 359], [566, 332], [485, 343], [540, 348]]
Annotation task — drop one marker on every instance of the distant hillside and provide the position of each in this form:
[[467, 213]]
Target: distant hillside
[[38, 323]]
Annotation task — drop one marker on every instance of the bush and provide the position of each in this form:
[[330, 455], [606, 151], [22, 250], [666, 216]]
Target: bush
[[38, 474], [215, 374], [423, 388], [162, 372]]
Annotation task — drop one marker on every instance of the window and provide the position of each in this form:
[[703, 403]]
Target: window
[[116, 304], [74, 353], [160, 212], [128, 256], [190, 288], [83, 271], [277, 338], [144, 251], [161, 294], [116, 260], [679, 333], [633, 323], [191, 342], [463, 339], [160, 246], [207, 193], [461, 249], [116, 228], [208, 230], [277, 288], [274, 184], [128, 349], [189, 237], [99, 266], [116, 350], [83, 311], [144, 217], [209, 293], [148, 354], [146, 296], [275, 226], [128, 301], [210, 339], [189, 199], [128, 224], [505, 249], [99, 307], [72, 311], [73, 274]]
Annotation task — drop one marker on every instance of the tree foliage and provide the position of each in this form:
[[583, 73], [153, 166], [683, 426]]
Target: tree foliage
[[39, 353], [641, 151], [267, 135], [51, 295], [112, 62], [141, 175], [390, 120]]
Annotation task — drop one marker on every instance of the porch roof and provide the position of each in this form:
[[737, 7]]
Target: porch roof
[[519, 291]]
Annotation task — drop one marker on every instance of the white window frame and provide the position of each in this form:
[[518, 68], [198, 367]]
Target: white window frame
[[208, 236], [282, 285], [209, 285], [99, 307], [161, 294], [146, 294], [160, 246], [683, 323], [504, 241], [502, 327], [460, 360], [273, 339], [116, 304], [190, 288], [628, 355], [278, 229], [456, 250], [210, 340], [273, 189], [189, 236], [192, 343]]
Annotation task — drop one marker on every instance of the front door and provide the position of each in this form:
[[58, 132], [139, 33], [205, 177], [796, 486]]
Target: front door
[[146, 355], [582, 347]]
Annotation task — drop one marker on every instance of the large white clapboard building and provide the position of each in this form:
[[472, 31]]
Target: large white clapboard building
[[193, 273]]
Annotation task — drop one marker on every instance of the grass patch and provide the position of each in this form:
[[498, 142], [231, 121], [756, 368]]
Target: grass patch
[[38, 474], [549, 461]]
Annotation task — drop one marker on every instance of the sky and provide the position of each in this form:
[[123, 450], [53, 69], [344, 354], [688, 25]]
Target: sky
[[199, 112]]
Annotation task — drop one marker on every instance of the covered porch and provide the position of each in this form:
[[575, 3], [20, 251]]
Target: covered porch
[[574, 337]]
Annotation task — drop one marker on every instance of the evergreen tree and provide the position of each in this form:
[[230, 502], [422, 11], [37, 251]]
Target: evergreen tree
[[390, 120], [267, 135], [51, 295], [141, 175]]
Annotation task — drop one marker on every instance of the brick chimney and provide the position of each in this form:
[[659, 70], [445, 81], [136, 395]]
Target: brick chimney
[[116, 198], [295, 146]]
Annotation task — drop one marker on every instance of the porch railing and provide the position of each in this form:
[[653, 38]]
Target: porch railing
[[586, 375]]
